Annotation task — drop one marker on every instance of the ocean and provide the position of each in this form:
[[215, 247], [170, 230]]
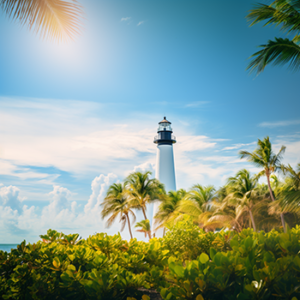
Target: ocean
[[8, 247]]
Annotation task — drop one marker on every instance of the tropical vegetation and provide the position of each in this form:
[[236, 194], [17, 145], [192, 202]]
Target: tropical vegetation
[[243, 202]]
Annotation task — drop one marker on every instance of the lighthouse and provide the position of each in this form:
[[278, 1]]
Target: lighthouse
[[165, 169]]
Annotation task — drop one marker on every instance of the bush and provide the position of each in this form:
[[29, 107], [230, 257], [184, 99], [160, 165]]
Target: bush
[[187, 241], [225, 265], [258, 266]]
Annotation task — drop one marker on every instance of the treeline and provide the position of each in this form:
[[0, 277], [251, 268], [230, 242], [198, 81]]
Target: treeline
[[241, 203]]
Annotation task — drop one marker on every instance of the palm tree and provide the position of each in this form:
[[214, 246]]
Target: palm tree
[[198, 201], [142, 190], [289, 200], [222, 214], [144, 226], [168, 207], [242, 194], [283, 13], [264, 157], [56, 19], [115, 204]]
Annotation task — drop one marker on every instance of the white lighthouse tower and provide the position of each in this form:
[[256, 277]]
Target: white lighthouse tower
[[165, 169]]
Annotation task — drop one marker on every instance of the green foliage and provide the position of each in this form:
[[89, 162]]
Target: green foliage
[[225, 265], [187, 241], [258, 266]]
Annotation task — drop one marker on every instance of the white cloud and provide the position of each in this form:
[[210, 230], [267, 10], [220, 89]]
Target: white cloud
[[45, 136], [279, 123], [99, 187], [125, 19], [140, 23], [146, 166], [292, 153], [196, 104], [60, 199], [9, 196], [194, 143], [62, 214], [237, 146]]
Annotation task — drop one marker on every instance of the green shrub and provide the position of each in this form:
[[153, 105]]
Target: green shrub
[[225, 265], [187, 240], [259, 266]]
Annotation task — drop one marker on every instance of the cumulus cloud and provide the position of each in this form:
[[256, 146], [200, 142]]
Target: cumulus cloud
[[60, 200], [61, 213], [146, 166], [99, 187], [9, 196]]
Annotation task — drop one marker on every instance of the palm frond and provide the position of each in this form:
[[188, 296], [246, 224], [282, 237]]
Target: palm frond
[[54, 19], [279, 52], [290, 201], [279, 13]]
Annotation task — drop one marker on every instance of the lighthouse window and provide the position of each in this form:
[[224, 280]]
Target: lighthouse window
[[165, 127]]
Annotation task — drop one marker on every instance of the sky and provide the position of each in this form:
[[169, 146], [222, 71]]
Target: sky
[[78, 116]]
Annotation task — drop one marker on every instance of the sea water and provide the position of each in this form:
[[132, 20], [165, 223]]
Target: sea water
[[8, 247]]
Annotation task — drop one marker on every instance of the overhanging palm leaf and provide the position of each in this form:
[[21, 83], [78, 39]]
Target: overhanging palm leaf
[[283, 13], [279, 52], [55, 19], [279, 13]]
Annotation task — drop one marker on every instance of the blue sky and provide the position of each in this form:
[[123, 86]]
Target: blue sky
[[76, 117]]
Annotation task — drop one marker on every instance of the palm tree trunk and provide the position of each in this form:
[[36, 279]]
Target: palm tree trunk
[[252, 220], [129, 226], [272, 197], [143, 210]]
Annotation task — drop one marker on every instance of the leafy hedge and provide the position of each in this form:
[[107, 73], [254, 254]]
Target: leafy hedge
[[186, 264]]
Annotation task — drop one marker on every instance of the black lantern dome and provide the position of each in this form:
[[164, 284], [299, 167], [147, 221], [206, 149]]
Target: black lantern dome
[[164, 133]]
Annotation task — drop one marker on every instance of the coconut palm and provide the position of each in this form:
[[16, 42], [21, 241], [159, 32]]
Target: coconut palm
[[264, 157], [144, 226], [243, 194], [168, 207], [116, 205], [289, 200], [142, 190], [197, 202], [224, 216], [283, 13], [55, 19]]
